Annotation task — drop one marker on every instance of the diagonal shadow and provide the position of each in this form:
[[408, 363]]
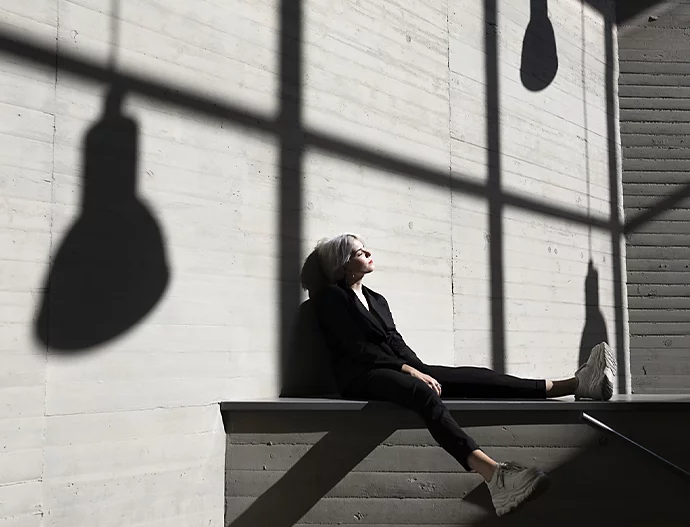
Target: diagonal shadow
[[311, 478], [316, 473], [655, 211], [626, 9], [590, 489]]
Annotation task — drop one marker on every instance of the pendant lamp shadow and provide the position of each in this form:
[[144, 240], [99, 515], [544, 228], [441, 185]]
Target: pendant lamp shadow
[[111, 268], [539, 63]]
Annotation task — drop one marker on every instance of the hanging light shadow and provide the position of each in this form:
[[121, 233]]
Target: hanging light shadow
[[539, 63], [111, 268], [595, 330]]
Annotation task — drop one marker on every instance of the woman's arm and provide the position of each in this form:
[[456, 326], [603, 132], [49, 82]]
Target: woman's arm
[[428, 379], [343, 334]]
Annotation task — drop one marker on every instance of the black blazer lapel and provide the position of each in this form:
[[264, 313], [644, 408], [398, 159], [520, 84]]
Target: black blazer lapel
[[382, 318], [369, 317]]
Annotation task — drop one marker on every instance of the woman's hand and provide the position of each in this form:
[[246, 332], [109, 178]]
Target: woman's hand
[[427, 379]]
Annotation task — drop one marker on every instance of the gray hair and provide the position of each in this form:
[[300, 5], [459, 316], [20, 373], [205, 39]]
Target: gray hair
[[334, 253]]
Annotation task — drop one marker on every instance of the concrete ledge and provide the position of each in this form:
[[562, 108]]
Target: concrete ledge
[[329, 462], [626, 403]]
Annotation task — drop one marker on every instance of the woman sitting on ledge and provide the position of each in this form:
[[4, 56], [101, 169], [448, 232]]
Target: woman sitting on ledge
[[372, 362]]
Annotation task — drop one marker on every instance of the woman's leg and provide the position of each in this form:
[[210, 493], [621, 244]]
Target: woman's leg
[[471, 382], [562, 387], [509, 484], [482, 464], [484, 383], [407, 391], [593, 380]]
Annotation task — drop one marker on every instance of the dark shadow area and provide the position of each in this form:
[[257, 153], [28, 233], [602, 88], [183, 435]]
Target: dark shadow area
[[494, 190], [539, 63], [662, 206], [312, 277], [398, 418], [289, 226], [595, 330], [607, 483], [628, 9], [307, 369], [111, 269]]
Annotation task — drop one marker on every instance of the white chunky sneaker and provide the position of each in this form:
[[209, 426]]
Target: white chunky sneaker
[[596, 375], [512, 485]]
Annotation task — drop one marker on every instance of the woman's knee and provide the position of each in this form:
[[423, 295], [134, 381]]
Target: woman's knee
[[426, 402]]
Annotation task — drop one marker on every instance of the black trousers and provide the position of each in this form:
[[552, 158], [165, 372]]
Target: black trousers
[[456, 382]]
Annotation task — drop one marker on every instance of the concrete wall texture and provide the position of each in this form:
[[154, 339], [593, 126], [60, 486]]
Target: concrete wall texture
[[109, 421], [654, 87]]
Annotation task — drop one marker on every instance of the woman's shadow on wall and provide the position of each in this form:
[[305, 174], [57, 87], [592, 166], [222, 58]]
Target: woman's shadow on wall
[[306, 367], [111, 268], [595, 330], [306, 364]]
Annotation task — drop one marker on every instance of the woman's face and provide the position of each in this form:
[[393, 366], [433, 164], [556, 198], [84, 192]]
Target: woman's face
[[361, 262]]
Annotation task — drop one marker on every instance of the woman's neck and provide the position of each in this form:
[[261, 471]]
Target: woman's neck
[[355, 283]]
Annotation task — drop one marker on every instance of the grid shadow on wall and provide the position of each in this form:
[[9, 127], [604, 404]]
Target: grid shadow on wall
[[294, 138]]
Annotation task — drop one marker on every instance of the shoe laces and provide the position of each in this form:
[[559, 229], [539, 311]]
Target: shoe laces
[[506, 467]]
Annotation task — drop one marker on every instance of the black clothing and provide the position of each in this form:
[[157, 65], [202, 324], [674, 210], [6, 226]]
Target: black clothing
[[360, 340], [368, 354]]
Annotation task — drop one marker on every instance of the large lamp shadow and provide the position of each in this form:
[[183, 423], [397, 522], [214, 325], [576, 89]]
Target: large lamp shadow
[[111, 268]]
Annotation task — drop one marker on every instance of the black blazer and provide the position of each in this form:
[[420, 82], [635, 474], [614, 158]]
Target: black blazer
[[360, 340]]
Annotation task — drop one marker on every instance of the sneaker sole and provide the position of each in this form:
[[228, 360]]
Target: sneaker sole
[[609, 356], [606, 390], [610, 364], [538, 486]]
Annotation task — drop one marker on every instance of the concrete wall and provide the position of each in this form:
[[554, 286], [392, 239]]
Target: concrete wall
[[115, 422], [654, 88]]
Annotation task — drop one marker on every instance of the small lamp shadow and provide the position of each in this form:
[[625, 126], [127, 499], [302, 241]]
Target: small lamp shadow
[[595, 330], [539, 63]]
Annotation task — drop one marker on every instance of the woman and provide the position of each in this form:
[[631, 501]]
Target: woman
[[372, 362]]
